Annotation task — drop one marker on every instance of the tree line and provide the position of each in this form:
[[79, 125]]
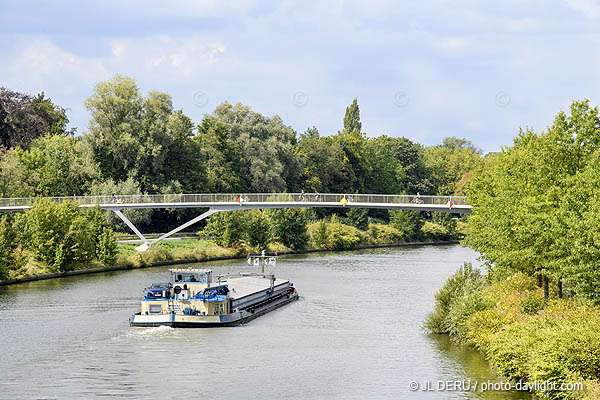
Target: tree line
[[140, 144]]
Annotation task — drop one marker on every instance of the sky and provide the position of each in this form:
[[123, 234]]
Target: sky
[[420, 69]]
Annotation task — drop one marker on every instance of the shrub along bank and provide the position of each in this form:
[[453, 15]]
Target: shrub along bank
[[526, 337], [53, 237]]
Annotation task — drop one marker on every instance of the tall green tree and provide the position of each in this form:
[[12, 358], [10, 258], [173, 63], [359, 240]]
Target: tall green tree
[[353, 143], [141, 137], [262, 146], [534, 204], [352, 118], [449, 162], [326, 167], [407, 222], [60, 166]]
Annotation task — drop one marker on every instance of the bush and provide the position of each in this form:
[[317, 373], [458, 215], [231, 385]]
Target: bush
[[334, 235], [533, 303], [384, 234], [433, 231], [59, 235], [459, 298]]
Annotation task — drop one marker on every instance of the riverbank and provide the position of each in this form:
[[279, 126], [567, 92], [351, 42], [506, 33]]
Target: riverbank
[[172, 259], [553, 342]]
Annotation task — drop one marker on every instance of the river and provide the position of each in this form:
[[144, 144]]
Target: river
[[355, 333]]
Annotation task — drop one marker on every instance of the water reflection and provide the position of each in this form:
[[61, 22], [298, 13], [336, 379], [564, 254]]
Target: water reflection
[[467, 364]]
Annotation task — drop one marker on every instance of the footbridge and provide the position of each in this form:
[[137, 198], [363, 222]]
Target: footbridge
[[246, 201]]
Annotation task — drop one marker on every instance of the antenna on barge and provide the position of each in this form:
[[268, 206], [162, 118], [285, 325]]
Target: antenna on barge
[[262, 259]]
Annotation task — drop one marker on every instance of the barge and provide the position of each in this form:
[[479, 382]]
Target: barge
[[194, 299]]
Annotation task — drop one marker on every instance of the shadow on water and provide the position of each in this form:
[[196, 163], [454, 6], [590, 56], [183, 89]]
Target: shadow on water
[[466, 362]]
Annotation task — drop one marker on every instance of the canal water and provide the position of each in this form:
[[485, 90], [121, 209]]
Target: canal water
[[356, 333]]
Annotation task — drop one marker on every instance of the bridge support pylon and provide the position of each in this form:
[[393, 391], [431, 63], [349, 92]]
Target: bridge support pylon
[[147, 243]]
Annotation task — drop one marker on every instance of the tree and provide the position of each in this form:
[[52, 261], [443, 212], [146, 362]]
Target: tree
[[352, 118], [15, 178], [59, 166], [227, 228], [221, 155], [358, 217], [141, 137], [386, 173], [257, 230], [8, 244], [326, 168], [24, 118], [288, 226], [534, 204], [353, 143], [262, 146], [449, 162], [411, 156], [407, 222], [115, 126]]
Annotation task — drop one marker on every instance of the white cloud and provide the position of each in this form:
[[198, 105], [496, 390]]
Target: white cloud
[[589, 8], [40, 60]]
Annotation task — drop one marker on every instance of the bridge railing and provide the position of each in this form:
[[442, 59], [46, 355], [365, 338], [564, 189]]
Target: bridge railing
[[246, 197]]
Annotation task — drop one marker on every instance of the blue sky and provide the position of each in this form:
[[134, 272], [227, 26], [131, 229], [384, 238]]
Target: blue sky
[[420, 69]]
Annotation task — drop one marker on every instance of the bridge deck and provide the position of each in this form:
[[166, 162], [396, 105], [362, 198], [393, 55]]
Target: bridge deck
[[225, 202]]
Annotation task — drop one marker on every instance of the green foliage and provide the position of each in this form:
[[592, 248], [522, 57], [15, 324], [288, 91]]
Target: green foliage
[[141, 137], [535, 205], [407, 222], [256, 150], [533, 303], [288, 226], [433, 231], [258, 230], [384, 234], [228, 228], [459, 298], [8, 245], [319, 236], [358, 218], [59, 166], [524, 337], [60, 236], [15, 178], [449, 162], [387, 174], [334, 235]]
